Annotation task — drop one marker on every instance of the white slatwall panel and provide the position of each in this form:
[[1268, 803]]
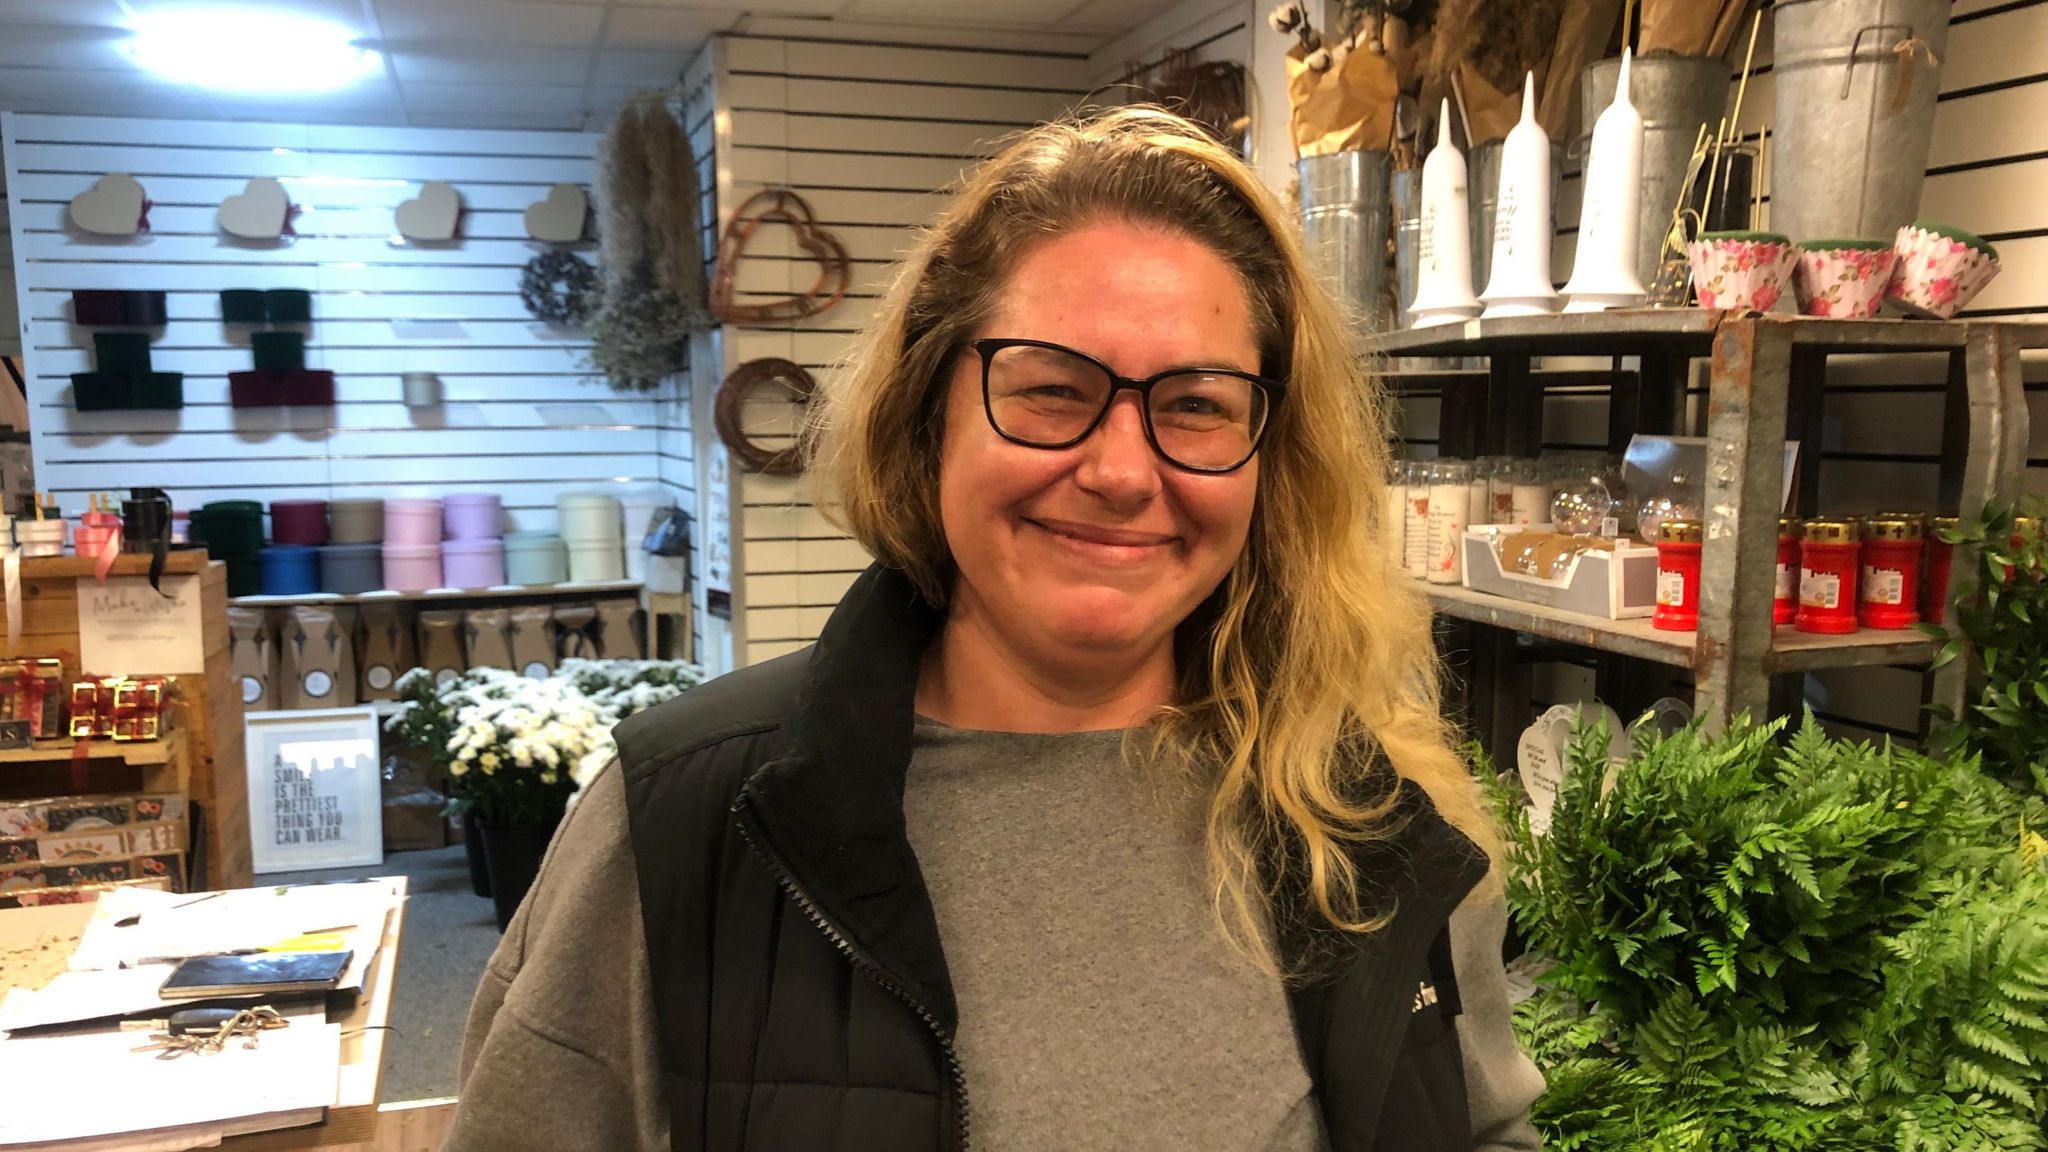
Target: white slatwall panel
[[871, 135], [1989, 159], [520, 417]]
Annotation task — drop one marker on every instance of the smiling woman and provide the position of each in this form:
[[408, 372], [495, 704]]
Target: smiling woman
[[1113, 809]]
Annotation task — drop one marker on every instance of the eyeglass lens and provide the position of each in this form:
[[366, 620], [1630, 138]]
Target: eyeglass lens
[[1050, 399]]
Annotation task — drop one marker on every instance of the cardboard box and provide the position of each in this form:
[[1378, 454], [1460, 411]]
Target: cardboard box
[[24, 818], [85, 815], [576, 632], [1616, 585], [82, 846], [20, 877], [620, 635], [533, 640], [487, 638], [253, 654], [317, 665], [414, 821], [387, 649], [440, 643]]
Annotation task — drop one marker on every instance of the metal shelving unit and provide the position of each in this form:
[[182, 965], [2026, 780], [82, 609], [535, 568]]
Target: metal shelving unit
[[1765, 382]]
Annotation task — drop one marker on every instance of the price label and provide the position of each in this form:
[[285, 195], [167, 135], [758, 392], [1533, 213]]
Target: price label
[[1670, 588], [1884, 586], [1819, 589]]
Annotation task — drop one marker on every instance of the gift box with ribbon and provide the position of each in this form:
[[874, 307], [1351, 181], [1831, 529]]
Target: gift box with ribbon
[[33, 690], [120, 707]]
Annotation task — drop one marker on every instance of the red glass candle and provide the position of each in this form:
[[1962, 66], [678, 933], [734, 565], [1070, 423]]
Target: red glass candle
[[1889, 584], [1786, 603], [1935, 576], [1827, 577], [1678, 576]]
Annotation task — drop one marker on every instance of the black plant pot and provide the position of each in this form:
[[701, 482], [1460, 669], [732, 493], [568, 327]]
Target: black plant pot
[[514, 852], [473, 848]]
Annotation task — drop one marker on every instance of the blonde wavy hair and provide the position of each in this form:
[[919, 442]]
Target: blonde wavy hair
[[1315, 652]]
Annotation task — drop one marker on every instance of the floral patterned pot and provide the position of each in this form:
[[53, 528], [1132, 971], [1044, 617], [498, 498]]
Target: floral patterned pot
[[1939, 269], [1741, 271], [1842, 277]]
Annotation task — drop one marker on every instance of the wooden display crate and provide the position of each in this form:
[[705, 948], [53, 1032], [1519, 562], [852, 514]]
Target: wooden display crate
[[209, 710]]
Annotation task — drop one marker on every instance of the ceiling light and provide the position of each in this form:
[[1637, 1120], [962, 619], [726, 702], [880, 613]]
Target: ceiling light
[[249, 49]]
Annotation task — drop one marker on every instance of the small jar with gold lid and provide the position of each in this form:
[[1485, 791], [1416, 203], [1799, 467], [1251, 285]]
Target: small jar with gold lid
[[1678, 576], [1785, 602], [1889, 584], [1828, 553]]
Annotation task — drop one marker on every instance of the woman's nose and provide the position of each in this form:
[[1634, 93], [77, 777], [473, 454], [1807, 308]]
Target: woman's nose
[[1117, 461]]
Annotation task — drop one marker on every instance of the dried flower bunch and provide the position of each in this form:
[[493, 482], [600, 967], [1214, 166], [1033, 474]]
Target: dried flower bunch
[[652, 294]]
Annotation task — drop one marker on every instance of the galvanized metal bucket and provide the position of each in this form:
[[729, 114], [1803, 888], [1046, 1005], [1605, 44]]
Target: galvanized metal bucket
[[1344, 228], [1407, 201], [1852, 117], [1676, 95]]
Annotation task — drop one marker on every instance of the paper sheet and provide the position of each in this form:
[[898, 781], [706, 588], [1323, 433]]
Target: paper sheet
[[183, 925], [77, 996], [292, 1069]]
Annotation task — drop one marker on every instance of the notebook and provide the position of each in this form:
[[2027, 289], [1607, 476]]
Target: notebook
[[262, 974]]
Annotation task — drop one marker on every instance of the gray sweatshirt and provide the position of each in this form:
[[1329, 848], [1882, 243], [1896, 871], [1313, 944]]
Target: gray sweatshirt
[[1098, 1007]]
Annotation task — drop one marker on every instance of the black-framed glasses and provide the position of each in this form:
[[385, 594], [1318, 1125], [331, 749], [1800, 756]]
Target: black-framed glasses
[[1044, 395]]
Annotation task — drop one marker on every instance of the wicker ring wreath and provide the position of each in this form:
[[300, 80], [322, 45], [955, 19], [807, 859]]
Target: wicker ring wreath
[[727, 414], [556, 286]]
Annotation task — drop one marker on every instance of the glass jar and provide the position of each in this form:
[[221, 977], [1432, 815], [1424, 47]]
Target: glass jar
[[1415, 519], [1449, 501]]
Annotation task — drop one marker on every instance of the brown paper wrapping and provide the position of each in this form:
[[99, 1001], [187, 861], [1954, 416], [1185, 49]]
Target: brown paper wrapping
[[385, 649], [253, 656], [440, 643], [576, 632], [317, 663], [487, 638], [1347, 107], [619, 635], [533, 640]]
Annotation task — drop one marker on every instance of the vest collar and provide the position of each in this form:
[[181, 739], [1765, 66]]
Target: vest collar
[[832, 809]]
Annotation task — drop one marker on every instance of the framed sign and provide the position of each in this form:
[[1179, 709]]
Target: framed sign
[[315, 789]]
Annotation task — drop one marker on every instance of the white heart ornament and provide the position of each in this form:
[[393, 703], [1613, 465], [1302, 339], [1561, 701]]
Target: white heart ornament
[[113, 206], [558, 219], [258, 212], [431, 215]]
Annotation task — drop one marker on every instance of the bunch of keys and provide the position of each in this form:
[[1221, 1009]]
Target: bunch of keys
[[209, 1030]]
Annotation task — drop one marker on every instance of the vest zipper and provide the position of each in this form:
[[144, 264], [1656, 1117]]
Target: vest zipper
[[745, 822]]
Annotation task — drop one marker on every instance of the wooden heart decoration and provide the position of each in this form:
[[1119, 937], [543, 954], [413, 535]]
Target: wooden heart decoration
[[779, 206], [260, 211], [559, 219], [432, 215], [114, 206]]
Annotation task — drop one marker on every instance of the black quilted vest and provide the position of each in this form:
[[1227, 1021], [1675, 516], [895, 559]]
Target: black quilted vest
[[800, 984]]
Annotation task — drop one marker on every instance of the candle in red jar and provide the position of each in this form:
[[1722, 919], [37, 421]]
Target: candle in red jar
[[1678, 576], [1827, 577], [1889, 595], [1785, 604], [1934, 580]]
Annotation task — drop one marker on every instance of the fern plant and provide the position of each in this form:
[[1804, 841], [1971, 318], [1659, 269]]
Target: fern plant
[[1801, 945], [2000, 615]]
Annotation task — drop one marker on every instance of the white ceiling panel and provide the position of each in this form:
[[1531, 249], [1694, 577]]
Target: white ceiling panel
[[467, 64], [639, 69], [489, 22], [554, 64], [669, 28], [1005, 12]]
